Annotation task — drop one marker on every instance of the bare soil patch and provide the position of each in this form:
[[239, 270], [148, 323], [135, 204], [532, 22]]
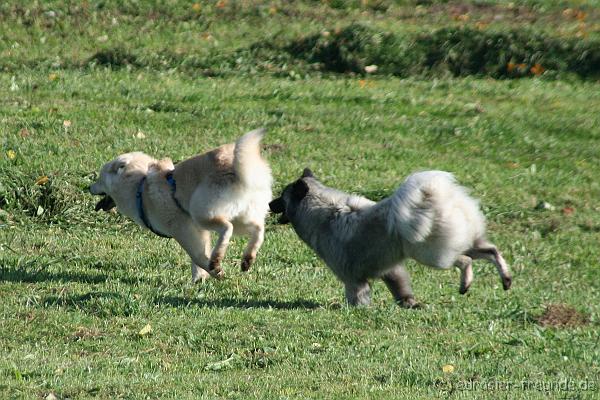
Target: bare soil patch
[[562, 316]]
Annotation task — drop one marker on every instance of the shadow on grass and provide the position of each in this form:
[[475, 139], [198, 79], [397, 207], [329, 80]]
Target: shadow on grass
[[78, 300], [99, 303], [12, 274], [178, 302]]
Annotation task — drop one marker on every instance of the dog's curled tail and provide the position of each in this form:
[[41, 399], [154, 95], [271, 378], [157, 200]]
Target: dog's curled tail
[[425, 200], [246, 156]]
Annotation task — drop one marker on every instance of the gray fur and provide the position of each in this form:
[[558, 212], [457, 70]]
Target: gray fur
[[430, 219]]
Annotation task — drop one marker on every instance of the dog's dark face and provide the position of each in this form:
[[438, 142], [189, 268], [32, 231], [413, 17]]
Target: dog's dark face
[[291, 196]]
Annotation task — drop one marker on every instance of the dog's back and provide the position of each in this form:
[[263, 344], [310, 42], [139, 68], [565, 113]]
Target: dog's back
[[232, 168]]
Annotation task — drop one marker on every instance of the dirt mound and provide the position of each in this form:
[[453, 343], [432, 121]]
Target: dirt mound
[[562, 316]]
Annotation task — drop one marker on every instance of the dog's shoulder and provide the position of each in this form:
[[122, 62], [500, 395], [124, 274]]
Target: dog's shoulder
[[164, 165], [157, 171]]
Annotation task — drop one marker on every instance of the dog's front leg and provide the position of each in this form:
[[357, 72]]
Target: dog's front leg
[[224, 229], [196, 242], [358, 293], [257, 236], [398, 282]]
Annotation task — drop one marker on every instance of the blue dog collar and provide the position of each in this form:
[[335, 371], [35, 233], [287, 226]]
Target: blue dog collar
[[140, 208]]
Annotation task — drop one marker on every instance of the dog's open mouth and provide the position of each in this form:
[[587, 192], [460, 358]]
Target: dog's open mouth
[[106, 204]]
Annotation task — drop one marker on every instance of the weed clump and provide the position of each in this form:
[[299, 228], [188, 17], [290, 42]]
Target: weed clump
[[346, 50], [114, 58], [465, 51], [459, 51], [47, 202], [359, 49]]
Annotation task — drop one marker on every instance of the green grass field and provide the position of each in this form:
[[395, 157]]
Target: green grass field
[[78, 288]]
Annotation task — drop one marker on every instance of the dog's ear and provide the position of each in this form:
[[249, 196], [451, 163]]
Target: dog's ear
[[307, 173], [300, 189], [118, 166]]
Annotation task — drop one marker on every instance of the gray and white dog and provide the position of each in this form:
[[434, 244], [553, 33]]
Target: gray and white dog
[[430, 218]]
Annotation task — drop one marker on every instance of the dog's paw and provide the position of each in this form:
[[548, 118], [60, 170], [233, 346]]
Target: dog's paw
[[217, 273], [247, 263], [214, 268], [199, 275], [410, 303], [463, 288], [506, 282]]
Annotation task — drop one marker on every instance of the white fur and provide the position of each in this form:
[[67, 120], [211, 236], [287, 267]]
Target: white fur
[[436, 217]]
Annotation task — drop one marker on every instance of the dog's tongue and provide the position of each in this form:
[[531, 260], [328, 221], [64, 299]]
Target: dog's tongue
[[106, 204]]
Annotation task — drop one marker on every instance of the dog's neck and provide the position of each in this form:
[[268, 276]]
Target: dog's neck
[[125, 197]]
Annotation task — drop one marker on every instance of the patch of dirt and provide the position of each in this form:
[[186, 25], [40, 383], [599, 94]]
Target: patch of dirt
[[485, 11], [562, 316], [83, 333], [274, 147]]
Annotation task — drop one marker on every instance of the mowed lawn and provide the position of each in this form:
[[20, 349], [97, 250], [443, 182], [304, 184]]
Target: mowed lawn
[[93, 306]]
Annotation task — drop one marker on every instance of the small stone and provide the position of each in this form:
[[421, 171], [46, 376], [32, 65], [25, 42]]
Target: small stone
[[544, 205]]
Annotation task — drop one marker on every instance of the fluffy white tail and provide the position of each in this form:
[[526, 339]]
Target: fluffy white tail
[[247, 155], [431, 202]]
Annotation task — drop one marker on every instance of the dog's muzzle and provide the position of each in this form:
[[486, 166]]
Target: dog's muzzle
[[277, 206]]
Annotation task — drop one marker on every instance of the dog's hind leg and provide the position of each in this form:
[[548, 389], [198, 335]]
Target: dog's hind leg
[[224, 229], [257, 236], [358, 293], [397, 281], [465, 264], [487, 251]]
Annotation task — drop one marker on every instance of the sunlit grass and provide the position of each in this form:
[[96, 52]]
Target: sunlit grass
[[79, 289]]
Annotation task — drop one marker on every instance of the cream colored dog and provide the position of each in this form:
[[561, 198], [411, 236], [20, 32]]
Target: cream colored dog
[[226, 190]]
